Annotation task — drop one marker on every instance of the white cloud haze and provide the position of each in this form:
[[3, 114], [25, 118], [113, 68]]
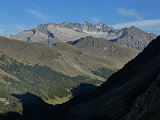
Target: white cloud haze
[[129, 13], [148, 25], [2, 29], [96, 20], [20, 27], [38, 14]]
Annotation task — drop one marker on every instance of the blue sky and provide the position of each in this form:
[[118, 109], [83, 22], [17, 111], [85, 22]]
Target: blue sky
[[18, 15]]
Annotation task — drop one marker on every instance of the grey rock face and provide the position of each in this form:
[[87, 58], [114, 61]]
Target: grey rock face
[[65, 31], [134, 38], [96, 28], [40, 34]]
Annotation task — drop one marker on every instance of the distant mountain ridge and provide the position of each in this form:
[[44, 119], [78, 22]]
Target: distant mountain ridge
[[62, 32], [135, 38], [103, 48]]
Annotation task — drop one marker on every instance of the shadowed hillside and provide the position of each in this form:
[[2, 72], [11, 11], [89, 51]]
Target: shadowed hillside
[[34, 108], [125, 94]]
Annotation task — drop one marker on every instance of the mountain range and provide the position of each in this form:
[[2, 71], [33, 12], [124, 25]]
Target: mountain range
[[63, 32]]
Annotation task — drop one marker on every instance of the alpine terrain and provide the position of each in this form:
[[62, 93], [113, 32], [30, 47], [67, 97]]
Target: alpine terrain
[[55, 32], [79, 60]]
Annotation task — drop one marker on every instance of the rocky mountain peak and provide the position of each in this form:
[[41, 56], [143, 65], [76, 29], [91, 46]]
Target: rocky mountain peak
[[135, 38], [69, 31], [133, 27]]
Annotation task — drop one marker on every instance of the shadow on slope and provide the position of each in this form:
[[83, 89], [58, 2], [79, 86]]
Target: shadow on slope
[[34, 108], [83, 87], [115, 97]]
